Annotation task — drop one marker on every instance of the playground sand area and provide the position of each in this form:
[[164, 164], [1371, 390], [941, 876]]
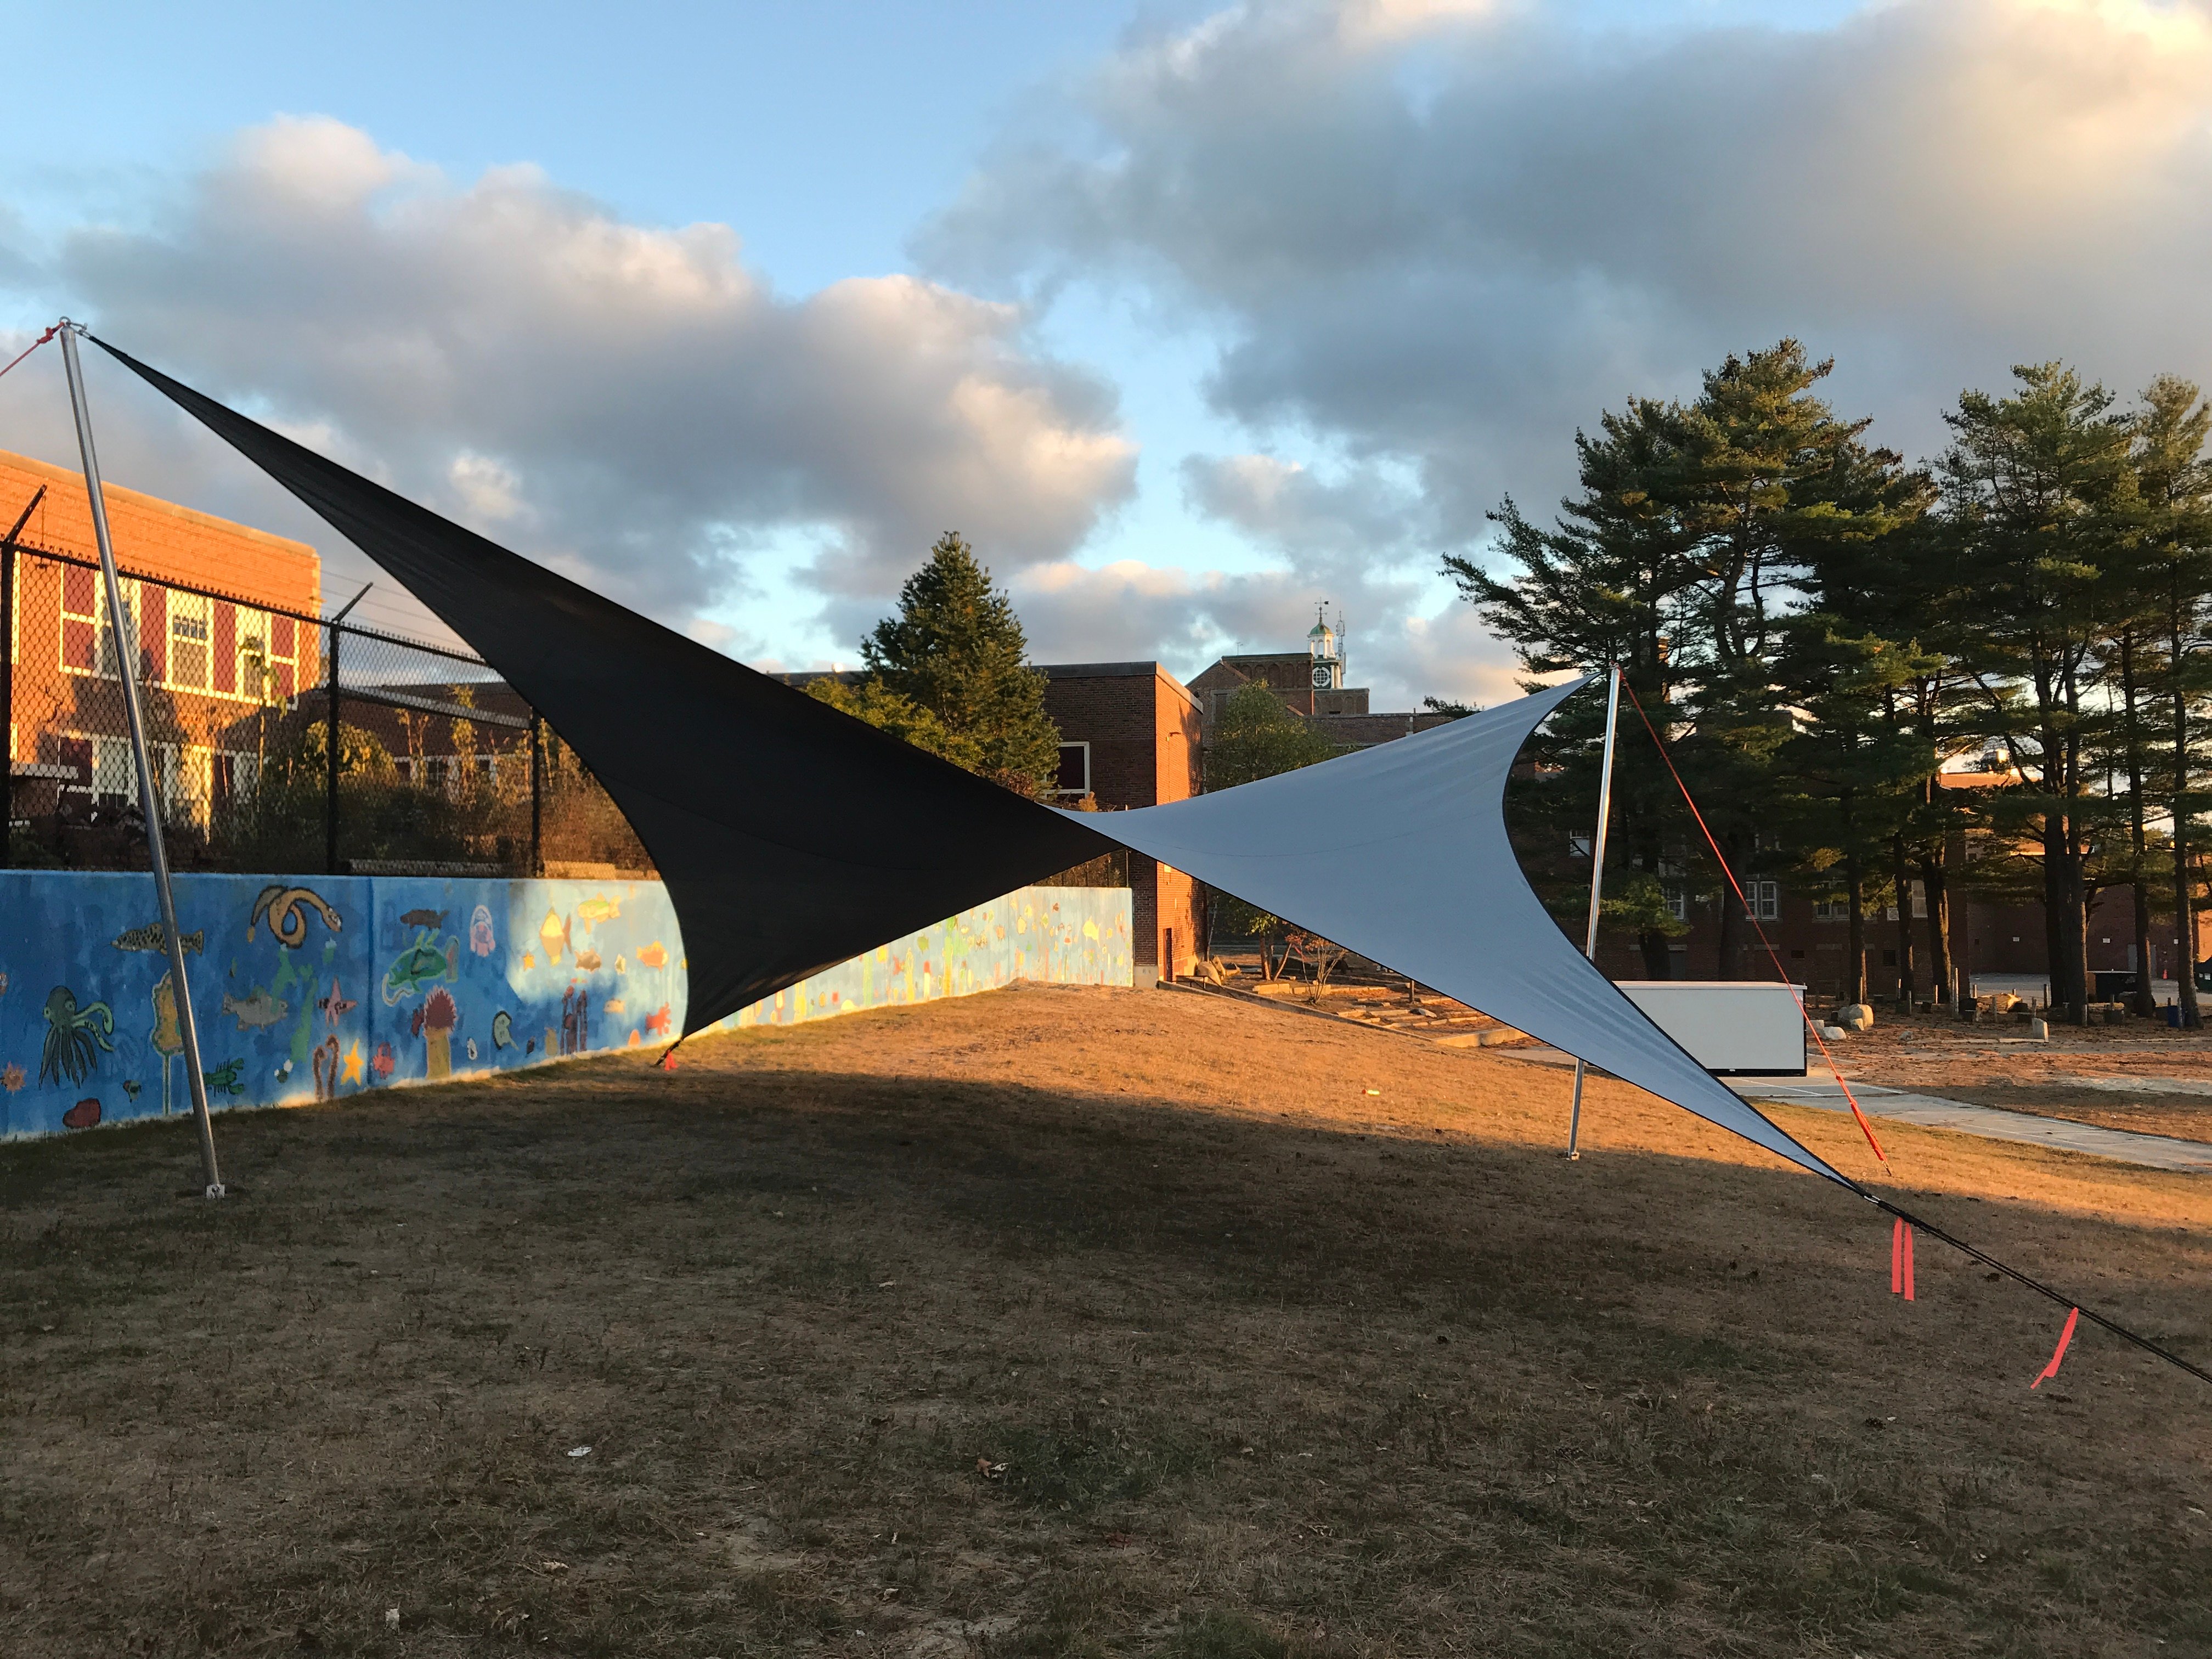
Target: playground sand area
[[1069, 1321]]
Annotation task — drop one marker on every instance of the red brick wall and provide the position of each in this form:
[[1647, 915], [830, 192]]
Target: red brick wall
[[1145, 736], [153, 538]]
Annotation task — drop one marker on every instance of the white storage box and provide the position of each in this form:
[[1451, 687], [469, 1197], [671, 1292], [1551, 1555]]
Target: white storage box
[[1731, 1027]]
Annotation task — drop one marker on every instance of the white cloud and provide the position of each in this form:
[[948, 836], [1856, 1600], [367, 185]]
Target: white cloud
[[630, 403], [1435, 239]]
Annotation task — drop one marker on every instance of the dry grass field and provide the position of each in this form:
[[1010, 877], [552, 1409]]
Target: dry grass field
[[1058, 1322]]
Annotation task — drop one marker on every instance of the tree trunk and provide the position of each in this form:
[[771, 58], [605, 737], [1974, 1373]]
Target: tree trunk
[[1658, 959], [1942, 971], [2142, 1001], [1854, 945], [1725, 926], [2184, 906], [1908, 977], [2075, 923], [2055, 891]]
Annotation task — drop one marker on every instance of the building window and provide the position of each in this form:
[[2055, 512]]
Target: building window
[[81, 615], [283, 658], [1678, 901], [1832, 909], [1074, 777], [1766, 898], [190, 636]]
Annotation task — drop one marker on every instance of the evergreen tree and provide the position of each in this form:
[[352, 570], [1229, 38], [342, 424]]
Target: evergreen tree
[[957, 653], [2173, 487], [1608, 584], [1853, 765], [872, 701], [2025, 482], [1694, 528]]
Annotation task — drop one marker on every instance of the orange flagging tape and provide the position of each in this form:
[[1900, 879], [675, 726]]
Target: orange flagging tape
[[2064, 1337], [1752, 916], [1900, 1260]]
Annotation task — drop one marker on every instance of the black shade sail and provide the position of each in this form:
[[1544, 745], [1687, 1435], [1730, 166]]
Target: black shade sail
[[792, 837]]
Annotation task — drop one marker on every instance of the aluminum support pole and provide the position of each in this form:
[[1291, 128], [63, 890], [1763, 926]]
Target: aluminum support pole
[[126, 671], [1597, 882]]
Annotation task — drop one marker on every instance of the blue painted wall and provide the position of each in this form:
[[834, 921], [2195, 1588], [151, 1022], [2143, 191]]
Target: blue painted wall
[[314, 989], [321, 989], [1058, 935]]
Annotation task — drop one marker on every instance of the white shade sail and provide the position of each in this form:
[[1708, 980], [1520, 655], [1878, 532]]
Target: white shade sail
[[1400, 852]]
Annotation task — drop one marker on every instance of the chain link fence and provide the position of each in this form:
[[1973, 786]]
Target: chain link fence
[[280, 742]]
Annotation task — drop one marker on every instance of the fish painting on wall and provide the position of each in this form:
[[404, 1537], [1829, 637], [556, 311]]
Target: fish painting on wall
[[419, 964], [153, 937]]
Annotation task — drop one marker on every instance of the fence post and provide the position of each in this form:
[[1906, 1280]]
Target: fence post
[[330, 755], [330, 803], [537, 794], [8, 678]]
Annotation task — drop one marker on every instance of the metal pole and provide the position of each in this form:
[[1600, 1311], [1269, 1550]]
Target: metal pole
[[331, 801], [537, 795], [1597, 882], [331, 757], [126, 670], [8, 678]]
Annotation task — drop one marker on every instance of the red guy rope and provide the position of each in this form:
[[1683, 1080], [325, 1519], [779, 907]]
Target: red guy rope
[[33, 347], [1865, 1127]]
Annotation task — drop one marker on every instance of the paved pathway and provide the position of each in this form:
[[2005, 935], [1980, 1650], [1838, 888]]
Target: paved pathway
[[1934, 1112], [1821, 1091]]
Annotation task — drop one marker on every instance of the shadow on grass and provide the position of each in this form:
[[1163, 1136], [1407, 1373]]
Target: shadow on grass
[[1015, 1369]]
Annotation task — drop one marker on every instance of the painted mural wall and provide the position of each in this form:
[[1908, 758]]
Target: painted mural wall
[[314, 989], [1060, 935], [321, 988]]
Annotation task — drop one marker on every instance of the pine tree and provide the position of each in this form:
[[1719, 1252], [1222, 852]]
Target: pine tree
[[957, 651], [2026, 482], [1608, 584], [1695, 527], [1853, 765], [2173, 478]]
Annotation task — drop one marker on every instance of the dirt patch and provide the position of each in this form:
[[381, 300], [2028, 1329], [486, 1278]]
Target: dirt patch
[[1064, 1322]]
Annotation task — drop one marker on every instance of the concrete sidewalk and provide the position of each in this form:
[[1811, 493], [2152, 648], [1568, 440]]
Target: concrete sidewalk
[[1821, 1091], [1993, 1122]]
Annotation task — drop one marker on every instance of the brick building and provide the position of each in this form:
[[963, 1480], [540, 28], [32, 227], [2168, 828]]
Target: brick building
[[1309, 683], [2000, 947], [214, 662], [1131, 735]]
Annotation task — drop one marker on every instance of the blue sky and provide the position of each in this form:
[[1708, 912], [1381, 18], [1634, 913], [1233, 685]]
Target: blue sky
[[1232, 382]]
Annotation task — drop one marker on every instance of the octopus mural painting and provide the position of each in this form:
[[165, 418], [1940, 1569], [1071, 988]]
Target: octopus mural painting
[[75, 1037]]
